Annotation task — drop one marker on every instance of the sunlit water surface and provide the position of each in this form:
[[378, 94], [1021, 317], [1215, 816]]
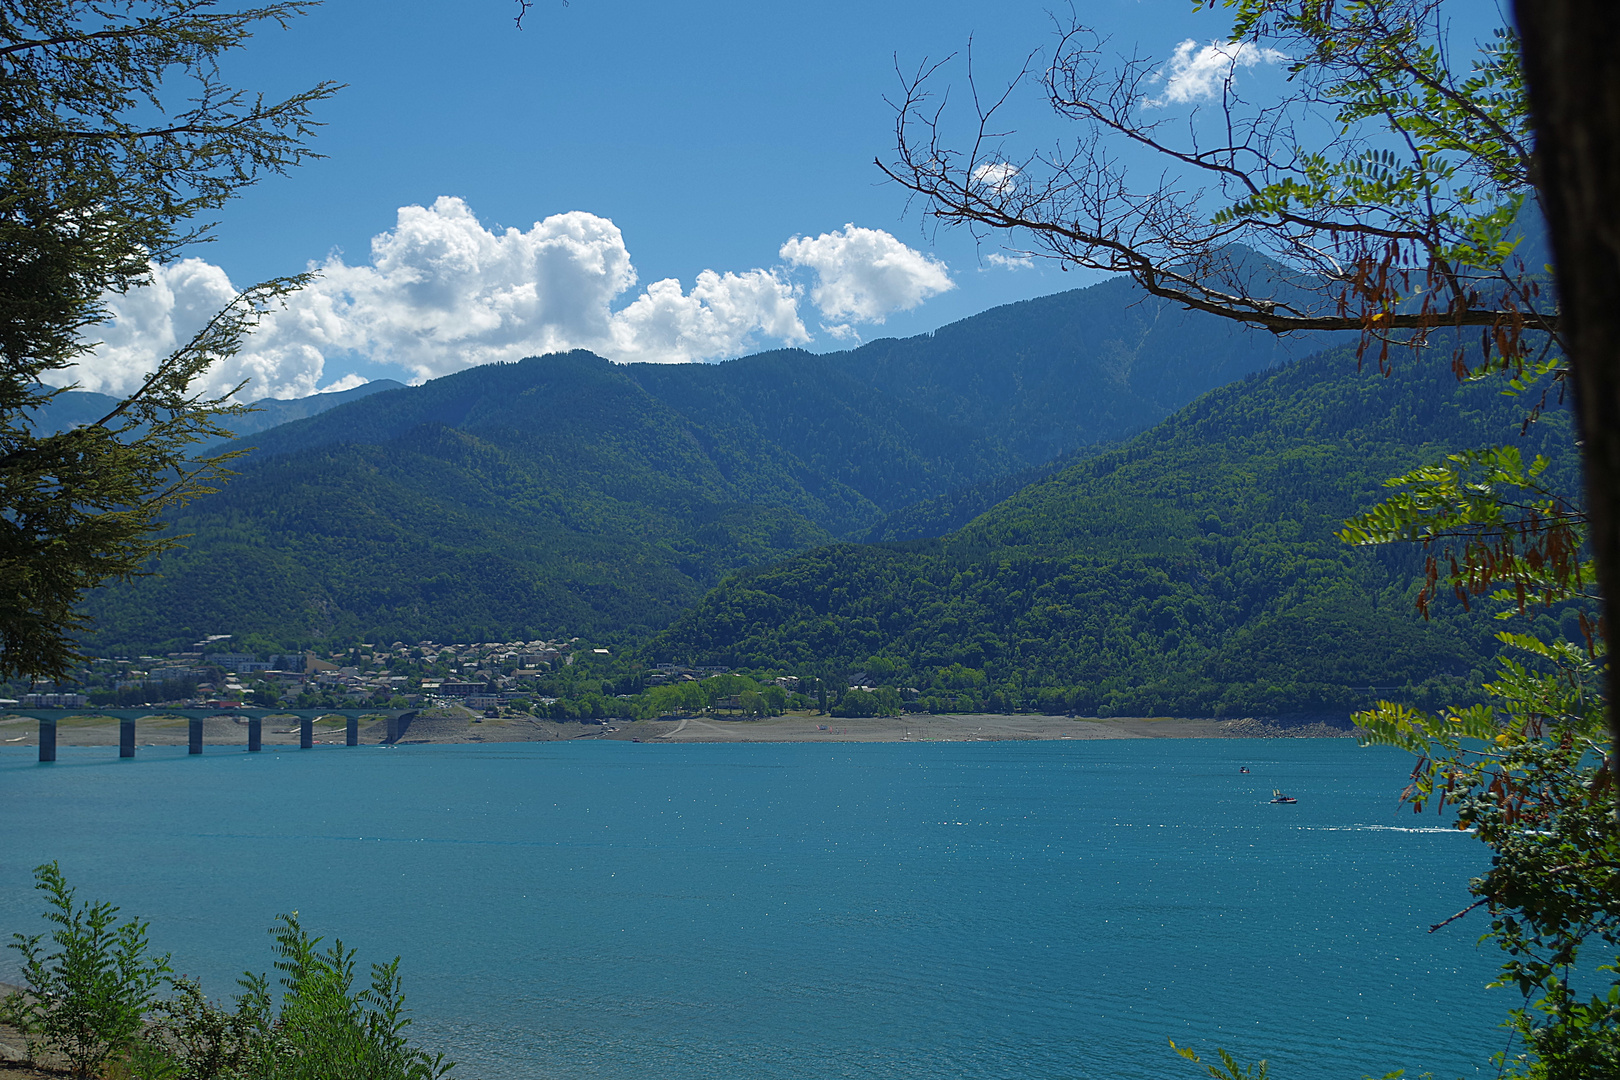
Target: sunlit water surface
[[891, 911]]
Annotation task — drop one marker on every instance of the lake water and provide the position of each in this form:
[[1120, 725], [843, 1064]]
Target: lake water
[[891, 911]]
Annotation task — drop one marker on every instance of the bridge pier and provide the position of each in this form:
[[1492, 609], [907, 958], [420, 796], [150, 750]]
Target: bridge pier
[[47, 739], [306, 732], [353, 736], [195, 741], [126, 738], [255, 734]]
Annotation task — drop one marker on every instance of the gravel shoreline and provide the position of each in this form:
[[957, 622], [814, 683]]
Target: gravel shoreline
[[13, 1065], [451, 726]]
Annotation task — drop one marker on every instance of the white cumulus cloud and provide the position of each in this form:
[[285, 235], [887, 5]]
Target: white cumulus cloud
[[714, 319], [1197, 73], [152, 322], [441, 292], [348, 382], [866, 274], [1010, 262], [996, 175]]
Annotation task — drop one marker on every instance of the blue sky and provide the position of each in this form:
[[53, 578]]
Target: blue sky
[[709, 132], [707, 135]]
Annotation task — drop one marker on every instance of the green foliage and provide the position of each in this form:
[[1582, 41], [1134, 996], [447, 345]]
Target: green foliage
[[682, 698], [1527, 775], [1497, 521], [883, 701], [1386, 182], [89, 992], [1462, 163], [94, 1003], [1228, 1069], [676, 699], [1195, 571], [327, 1028], [954, 509], [104, 167], [1406, 217], [195, 1039]]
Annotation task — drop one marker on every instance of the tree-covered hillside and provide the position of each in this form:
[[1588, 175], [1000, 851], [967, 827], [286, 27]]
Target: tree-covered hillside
[[565, 494], [606, 517], [1194, 571], [1108, 360]]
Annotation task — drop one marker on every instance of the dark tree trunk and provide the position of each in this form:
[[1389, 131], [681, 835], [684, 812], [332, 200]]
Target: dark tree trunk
[[1572, 66]]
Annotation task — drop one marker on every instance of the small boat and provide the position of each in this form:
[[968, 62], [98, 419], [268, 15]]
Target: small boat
[[1279, 797], [1243, 768]]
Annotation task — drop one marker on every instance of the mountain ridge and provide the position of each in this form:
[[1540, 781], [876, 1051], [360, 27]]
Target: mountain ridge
[[568, 493], [70, 408]]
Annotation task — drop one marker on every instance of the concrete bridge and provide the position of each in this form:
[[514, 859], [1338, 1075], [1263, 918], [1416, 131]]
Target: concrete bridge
[[397, 722]]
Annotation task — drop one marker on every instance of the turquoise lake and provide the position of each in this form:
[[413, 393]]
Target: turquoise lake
[[891, 911]]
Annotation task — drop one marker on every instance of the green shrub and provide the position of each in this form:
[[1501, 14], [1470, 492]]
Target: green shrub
[[87, 999], [194, 1039], [328, 1030], [884, 701], [94, 1003]]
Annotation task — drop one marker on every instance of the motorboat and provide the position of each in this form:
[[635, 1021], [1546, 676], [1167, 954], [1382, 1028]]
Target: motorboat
[[1279, 797]]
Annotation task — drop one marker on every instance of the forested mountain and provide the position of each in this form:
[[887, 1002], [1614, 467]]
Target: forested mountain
[[948, 512], [1107, 360], [1194, 571], [568, 494]]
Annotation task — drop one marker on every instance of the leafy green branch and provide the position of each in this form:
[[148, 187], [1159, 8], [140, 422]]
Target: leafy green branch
[[89, 991], [93, 1003], [1497, 524]]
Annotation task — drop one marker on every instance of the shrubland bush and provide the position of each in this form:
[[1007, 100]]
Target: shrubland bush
[[93, 1004]]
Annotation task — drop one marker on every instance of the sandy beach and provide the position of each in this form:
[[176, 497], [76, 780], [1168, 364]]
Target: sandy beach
[[454, 725]]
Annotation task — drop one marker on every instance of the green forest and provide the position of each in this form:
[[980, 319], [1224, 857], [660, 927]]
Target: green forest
[[1194, 571], [569, 495], [882, 517]]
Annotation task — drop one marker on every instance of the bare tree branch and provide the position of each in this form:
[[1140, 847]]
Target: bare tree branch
[[1390, 235]]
